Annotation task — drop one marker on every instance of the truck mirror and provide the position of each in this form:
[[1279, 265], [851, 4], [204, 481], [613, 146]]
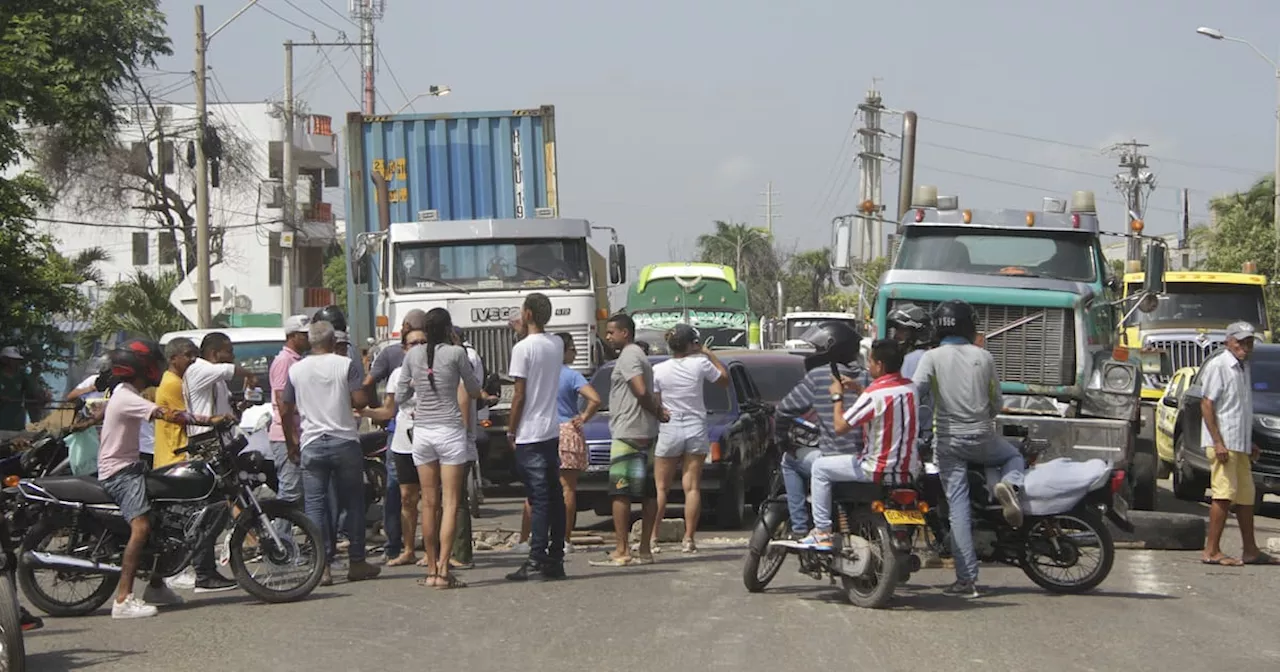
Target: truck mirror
[[360, 270], [1153, 271], [840, 255], [617, 264]]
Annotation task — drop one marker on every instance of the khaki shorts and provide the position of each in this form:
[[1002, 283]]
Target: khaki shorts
[[1232, 481]]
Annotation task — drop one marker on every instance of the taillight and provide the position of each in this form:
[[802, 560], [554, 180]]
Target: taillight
[[903, 497], [1117, 481]]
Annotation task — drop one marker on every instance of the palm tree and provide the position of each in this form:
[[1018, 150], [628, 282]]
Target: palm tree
[[85, 264], [812, 271], [138, 307], [732, 244]]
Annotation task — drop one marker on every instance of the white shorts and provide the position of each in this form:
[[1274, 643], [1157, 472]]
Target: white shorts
[[446, 445], [683, 435]]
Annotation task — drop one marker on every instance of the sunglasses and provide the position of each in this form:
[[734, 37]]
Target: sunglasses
[[416, 342]]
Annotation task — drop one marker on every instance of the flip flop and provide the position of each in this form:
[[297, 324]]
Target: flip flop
[[400, 561], [610, 561], [1222, 561], [1261, 559]]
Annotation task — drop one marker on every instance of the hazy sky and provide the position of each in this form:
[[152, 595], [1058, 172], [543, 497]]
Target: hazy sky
[[673, 114]]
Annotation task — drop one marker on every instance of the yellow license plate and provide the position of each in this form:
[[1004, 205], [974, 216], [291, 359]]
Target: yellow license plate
[[904, 517]]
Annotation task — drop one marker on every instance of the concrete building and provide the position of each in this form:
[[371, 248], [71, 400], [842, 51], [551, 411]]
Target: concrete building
[[258, 256]]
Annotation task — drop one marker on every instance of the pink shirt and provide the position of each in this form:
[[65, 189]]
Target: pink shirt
[[122, 429], [279, 375]]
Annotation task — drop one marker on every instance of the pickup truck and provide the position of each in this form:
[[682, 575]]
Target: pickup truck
[[740, 420]]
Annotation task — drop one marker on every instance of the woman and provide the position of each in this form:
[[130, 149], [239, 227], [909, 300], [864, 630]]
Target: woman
[[402, 454], [440, 377], [683, 443]]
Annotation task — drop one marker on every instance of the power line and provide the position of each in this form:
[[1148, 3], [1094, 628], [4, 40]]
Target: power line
[[839, 164], [1021, 162], [340, 15], [311, 16], [395, 80], [151, 227], [288, 21], [345, 86]]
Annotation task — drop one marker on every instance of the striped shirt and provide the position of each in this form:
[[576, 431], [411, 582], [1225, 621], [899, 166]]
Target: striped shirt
[[888, 410], [811, 394], [1227, 382]]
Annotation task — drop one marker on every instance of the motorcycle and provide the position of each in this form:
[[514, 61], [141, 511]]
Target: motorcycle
[[373, 445], [14, 619], [79, 536]]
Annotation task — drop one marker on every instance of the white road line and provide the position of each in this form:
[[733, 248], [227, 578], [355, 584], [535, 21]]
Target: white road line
[[1142, 570]]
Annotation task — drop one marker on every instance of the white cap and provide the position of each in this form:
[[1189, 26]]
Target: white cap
[[1241, 331], [11, 353], [296, 324]]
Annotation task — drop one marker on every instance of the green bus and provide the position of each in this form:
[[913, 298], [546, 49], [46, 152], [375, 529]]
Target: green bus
[[707, 296]]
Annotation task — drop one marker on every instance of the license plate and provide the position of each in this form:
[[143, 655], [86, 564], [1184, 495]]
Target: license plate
[[904, 517], [595, 468]]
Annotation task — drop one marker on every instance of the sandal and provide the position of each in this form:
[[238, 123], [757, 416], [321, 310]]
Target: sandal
[[1222, 560], [402, 560], [1261, 559], [422, 562], [450, 582], [611, 561], [428, 581]]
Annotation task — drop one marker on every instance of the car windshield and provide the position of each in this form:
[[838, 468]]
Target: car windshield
[[491, 264], [715, 397], [1203, 304], [1030, 253], [775, 379], [1264, 369], [797, 326], [256, 356]]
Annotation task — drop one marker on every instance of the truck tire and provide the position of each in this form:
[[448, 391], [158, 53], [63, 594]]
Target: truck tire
[[1145, 466], [1188, 483], [1163, 531]]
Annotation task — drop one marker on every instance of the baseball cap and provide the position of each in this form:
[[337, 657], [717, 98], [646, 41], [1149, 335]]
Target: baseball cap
[[416, 320], [11, 353], [341, 337], [683, 334], [296, 324], [1241, 331]]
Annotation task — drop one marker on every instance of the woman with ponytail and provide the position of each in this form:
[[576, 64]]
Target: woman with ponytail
[[439, 378]]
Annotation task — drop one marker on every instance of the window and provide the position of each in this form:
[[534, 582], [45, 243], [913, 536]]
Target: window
[[275, 260], [139, 158], [715, 397], [1066, 256], [775, 378], [167, 157], [141, 248], [1203, 304], [526, 263], [167, 248]]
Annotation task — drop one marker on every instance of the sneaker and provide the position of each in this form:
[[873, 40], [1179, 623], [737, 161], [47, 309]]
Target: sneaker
[[568, 548], [961, 589], [326, 578], [224, 552], [161, 596], [554, 571], [688, 546], [529, 570], [215, 584], [1007, 493], [29, 620], [132, 607], [362, 571], [343, 545], [184, 581], [522, 548], [817, 540]]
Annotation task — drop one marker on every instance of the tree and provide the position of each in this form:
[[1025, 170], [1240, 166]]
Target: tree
[[83, 267], [1243, 230], [335, 277], [750, 251], [808, 278], [138, 307], [60, 65]]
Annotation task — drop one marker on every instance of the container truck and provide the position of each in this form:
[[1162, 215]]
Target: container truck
[[461, 211]]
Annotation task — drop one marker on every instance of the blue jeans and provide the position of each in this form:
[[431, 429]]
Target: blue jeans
[[954, 454], [332, 462], [289, 488], [539, 465], [795, 476], [391, 526]]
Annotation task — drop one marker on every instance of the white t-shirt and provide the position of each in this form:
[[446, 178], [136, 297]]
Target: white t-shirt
[[477, 367], [204, 388], [680, 382], [400, 442], [321, 385], [538, 358]]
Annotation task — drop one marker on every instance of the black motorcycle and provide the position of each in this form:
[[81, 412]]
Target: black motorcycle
[[14, 619], [79, 537], [373, 446]]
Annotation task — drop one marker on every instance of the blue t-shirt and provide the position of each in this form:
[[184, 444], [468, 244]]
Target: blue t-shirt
[[567, 397]]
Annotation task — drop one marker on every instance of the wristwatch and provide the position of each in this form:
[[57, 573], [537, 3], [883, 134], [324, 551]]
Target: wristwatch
[[837, 398]]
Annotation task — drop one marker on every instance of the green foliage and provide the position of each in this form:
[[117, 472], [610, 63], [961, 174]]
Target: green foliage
[[1243, 231], [749, 250], [139, 307], [335, 276]]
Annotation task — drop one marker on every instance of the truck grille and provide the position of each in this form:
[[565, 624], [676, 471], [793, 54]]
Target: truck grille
[[598, 454], [1040, 352], [494, 346], [1184, 352]]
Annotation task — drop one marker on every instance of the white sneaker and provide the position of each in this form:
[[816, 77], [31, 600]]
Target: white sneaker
[[183, 581], [132, 607], [161, 596], [224, 552], [568, 548], [521, 548]]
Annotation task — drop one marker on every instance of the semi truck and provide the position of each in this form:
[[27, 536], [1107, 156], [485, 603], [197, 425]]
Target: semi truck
[[787, 332], [710, 297], [1038, 283], [461, 211]]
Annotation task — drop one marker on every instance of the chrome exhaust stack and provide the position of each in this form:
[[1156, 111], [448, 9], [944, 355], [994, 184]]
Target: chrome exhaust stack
[[41, 560]]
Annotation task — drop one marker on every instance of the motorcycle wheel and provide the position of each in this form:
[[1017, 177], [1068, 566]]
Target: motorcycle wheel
[[43, 532], [13, 658], [762, 562], [1065, 550], [302, 546], [873, 592]]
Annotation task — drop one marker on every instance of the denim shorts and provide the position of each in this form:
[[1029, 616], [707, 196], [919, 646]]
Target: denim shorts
[[684, 435], [446, 445], [128, 487]]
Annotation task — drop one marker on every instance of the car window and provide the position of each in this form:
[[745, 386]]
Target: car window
[[715, 398], [774, 379]]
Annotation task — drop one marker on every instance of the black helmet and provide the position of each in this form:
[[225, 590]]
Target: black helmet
[[908, 315], [955, 318], [138, 359], [833, 342], [333, 315]]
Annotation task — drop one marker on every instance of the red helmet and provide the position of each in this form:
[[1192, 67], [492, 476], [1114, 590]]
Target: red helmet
[[138, 359]]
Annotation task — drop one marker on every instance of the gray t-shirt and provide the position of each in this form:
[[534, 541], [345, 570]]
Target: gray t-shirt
[[627, 420], [321, 386], [387, 360], [436, 406], [962, 386]]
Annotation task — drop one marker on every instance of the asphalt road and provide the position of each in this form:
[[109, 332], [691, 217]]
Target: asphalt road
[[1156, 610]]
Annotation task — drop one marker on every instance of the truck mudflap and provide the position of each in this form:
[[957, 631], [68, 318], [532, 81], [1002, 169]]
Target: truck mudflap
[[1051, 437]]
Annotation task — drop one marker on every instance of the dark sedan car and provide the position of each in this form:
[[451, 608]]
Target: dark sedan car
[[1191, 470], [740, 420]]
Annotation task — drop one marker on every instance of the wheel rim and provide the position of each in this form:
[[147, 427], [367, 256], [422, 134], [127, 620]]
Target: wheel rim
[[867, 528], [283, 567], [772, 558], [76, 543], [1063, 543]]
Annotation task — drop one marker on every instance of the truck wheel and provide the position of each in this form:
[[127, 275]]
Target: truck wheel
[[1165, 469], [1188, 484], [731, 500], [1145, 466]]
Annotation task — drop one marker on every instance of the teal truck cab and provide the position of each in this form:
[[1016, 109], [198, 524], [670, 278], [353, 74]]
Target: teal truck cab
[[1039, 284]]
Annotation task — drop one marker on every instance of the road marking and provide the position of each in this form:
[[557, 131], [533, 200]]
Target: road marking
[[1142, 569]]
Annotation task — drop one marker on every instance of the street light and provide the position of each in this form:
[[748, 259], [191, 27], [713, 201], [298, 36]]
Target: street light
[[436, 90], [1214, 34]]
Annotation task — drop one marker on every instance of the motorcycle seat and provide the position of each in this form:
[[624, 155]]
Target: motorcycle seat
[[82, 489], [856, 491], [372, 442]]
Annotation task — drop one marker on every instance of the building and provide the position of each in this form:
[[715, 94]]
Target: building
[[261, 269]]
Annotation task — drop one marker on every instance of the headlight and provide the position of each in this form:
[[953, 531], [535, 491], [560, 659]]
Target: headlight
[[1118, 378], [1268, 421]]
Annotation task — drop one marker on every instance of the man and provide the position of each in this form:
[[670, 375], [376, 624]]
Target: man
[[634, 414], [342, 345], [289, 474], [20, 392], [909, 325], [463, 550], [1226, 433], [534, 434], [961, 380], [204, 390], [170, 436], [324, 389], [390, 359]]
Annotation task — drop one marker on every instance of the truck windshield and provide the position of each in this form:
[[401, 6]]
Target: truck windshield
[[1066, 256], [798, 326], [1203, 304], [718, 328], [491, 264]]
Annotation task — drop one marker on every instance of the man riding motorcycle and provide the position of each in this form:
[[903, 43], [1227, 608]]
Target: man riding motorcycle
[[908, 324], [810, 401]]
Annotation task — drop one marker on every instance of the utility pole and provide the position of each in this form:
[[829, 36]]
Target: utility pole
[[366, 11], [870, 166], [290, 177], [1135, 183], [204, 312], [769, 207]]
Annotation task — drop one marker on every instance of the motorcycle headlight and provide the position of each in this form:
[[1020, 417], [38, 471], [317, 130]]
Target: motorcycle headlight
[[1268, 421]]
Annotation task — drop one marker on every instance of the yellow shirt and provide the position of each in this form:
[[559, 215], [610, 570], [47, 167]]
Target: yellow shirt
[[169, 437]]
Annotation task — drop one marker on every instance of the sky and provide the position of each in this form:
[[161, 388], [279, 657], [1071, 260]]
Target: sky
[[672, 114]]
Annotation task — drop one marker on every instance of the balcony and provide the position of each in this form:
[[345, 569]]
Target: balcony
[[316, 225], [308, 300]]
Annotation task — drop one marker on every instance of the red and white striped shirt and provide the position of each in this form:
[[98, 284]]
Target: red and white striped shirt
[[888, 411]]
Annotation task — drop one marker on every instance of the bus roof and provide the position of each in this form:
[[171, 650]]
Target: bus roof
[[1203, 276], [687, 270]]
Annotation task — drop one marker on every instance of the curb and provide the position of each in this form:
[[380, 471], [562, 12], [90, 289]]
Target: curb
[[1163, 531]]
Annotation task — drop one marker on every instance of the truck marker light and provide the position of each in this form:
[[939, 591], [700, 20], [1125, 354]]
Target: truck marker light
[[967, 216], [919, 215], [1075, 220], [1031, 219]]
